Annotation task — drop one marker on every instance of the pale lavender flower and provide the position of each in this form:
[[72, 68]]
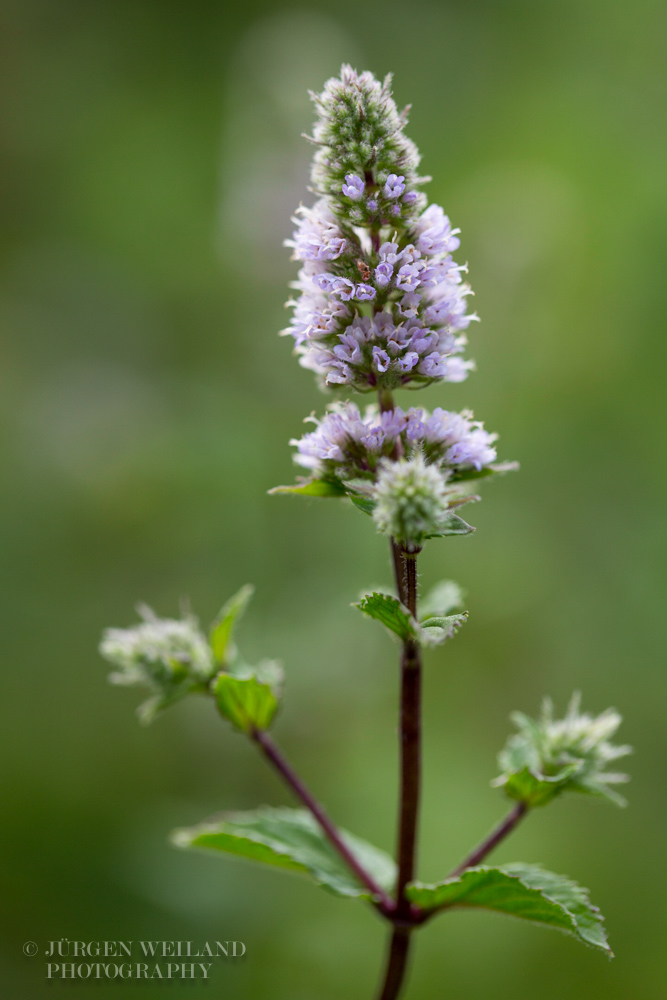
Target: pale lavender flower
[[353, 187], [435, 234], [383, 274], [389, 253], [394, 186], [317, 235], [365, 293], [381, 359]]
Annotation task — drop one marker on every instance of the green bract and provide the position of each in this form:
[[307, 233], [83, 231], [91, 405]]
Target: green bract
[[250, 697], [548, 756]]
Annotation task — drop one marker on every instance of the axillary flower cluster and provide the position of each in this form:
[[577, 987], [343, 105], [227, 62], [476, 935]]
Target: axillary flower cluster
[[381, 307]]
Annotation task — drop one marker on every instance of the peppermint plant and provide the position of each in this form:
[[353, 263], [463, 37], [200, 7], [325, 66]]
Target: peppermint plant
[[380, 306]]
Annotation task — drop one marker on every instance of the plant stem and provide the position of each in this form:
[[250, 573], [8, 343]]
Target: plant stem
[[405, 567], [494, 838], [410, 740], [397, 961], [275, 757]]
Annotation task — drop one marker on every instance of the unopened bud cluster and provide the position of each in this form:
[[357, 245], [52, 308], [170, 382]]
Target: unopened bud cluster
[[170, 657], [569, 753], [412, 501]]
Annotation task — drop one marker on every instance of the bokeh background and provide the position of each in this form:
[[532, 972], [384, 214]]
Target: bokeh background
[[151, 161]]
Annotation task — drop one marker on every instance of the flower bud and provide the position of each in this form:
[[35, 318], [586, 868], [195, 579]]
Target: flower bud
[[411, 500]]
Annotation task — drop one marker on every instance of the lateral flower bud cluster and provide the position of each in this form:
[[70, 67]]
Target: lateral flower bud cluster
[[412, 500], [170, 657], [381, 301], [547, 755]]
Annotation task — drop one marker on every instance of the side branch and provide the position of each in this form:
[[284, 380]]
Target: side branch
[[494, 838], [275, 757]]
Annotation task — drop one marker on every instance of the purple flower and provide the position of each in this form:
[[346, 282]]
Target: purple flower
[[343, 287], [436, 235], [340, 373], [381, 359], [365, 293], [408, 276], [354, 187], [348, 349], [383, 274], [432, 366], [407, 363], [457, 369], [475, 450], [389, 253], [394, 186], [408, 306], [317, 236], [410, 197], [371, 205]]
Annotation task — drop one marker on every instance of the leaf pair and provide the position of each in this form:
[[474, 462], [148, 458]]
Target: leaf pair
[[436, 624], [333, 487], [291, 839]]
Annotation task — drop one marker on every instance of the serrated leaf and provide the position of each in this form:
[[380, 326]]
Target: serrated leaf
[[390, 612], [434, 631], [525, 891], [397, 618], [313, 488], [250, 698], [223, 627], [441, 600], [291, 839]]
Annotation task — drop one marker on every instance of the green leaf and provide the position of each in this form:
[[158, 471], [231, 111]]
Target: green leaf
[[441, 600], [390, 612], [364, 504], [454, 525], [525, 891], [223, 627], [313, 488], [250, 698], [292, 839], [463, 475], [434, 631]]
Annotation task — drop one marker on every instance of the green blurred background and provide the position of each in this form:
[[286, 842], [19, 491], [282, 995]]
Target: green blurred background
[[151, 161]]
